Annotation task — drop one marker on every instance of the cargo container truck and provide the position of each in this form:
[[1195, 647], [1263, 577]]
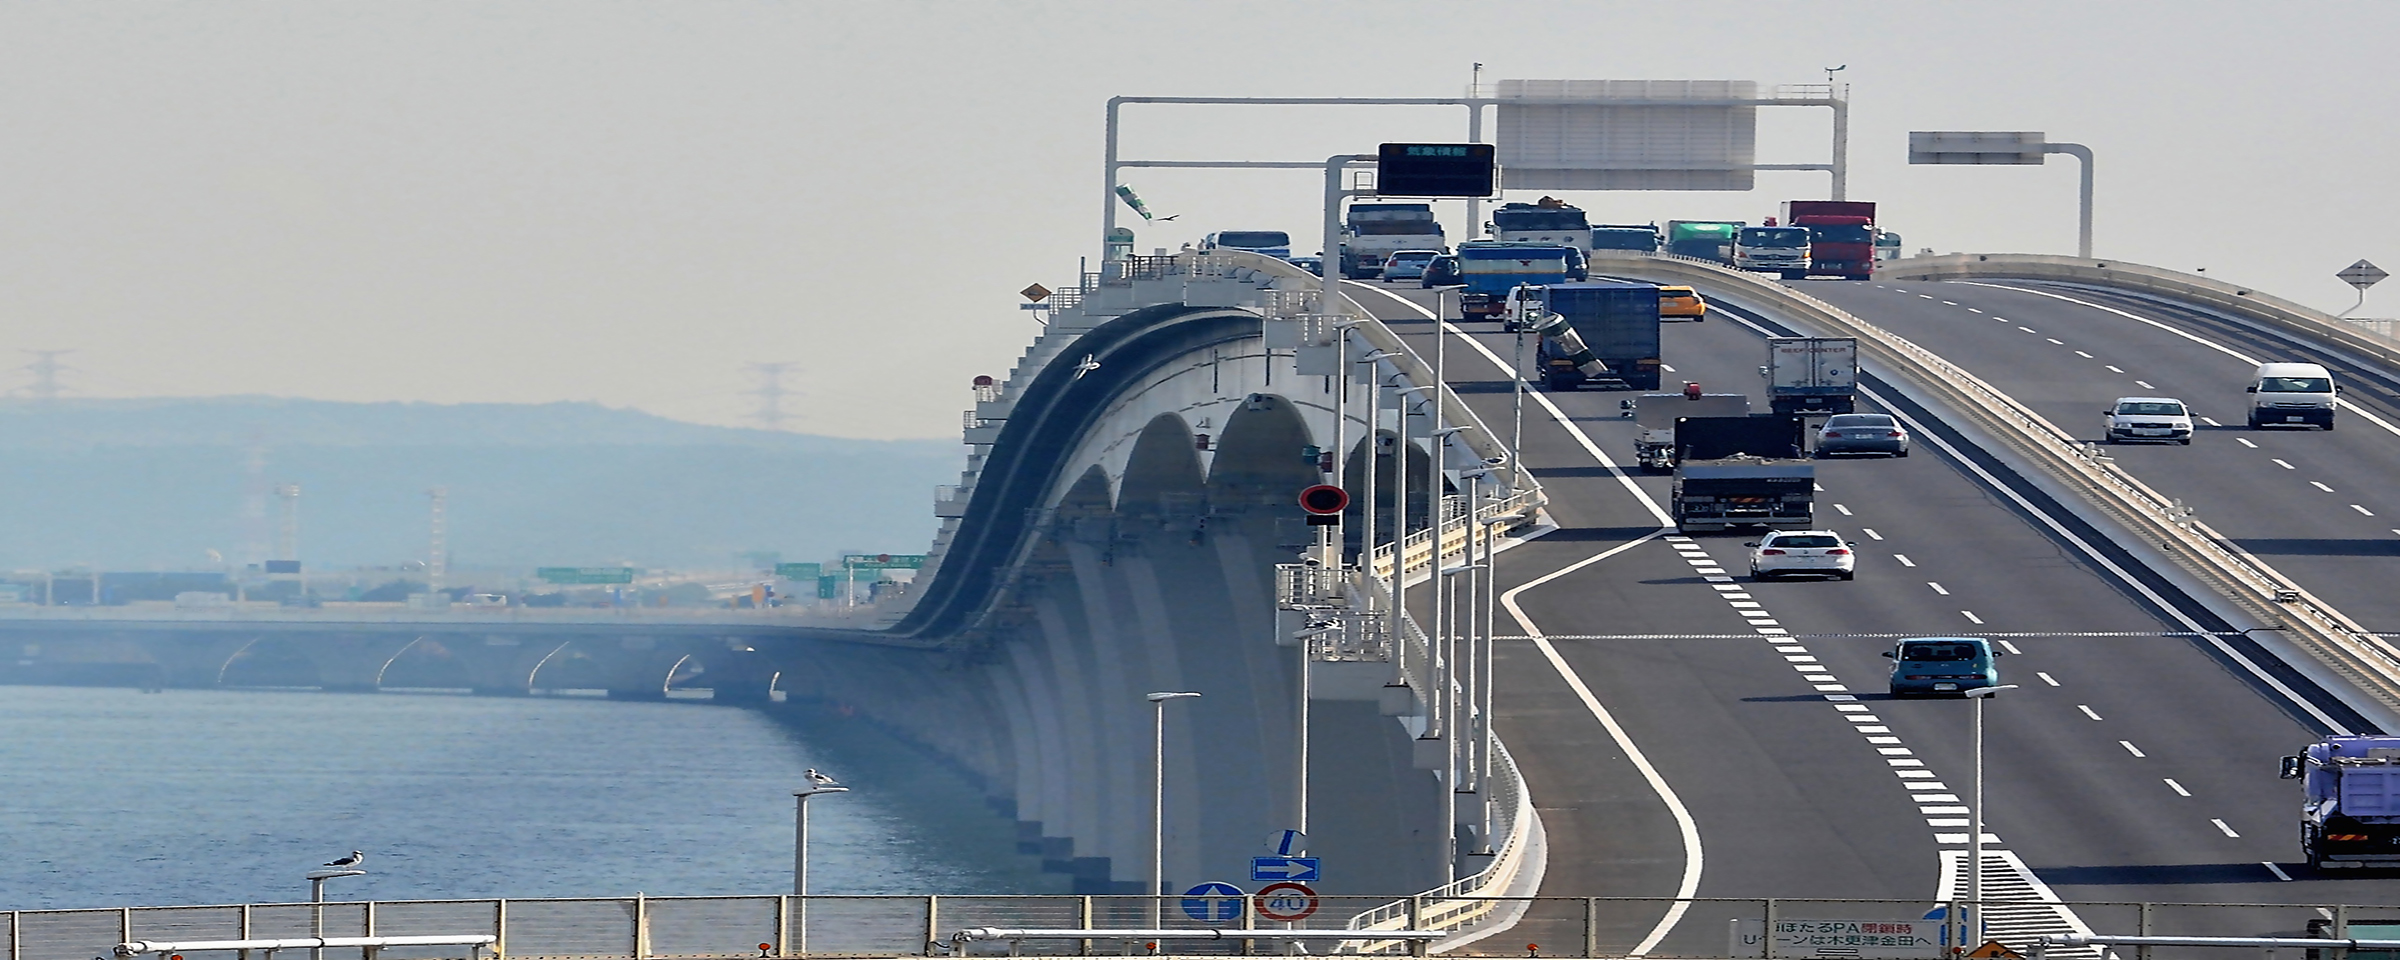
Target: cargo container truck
[[1490, 270], [1372, 232], [1656, 414], [2349, 801], [1811, 374], [1705, 239], [1841, 236], [1772, 249], [1616, 322], [1742, 471]]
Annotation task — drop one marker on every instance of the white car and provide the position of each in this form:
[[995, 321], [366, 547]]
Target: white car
[[1821, 552], [2164, 419]]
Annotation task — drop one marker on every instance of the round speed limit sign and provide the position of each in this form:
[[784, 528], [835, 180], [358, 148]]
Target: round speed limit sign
[[1285, 902]]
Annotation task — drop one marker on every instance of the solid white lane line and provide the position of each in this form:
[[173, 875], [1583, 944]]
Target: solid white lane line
[[2087, 711], [2245, 441], [1904, 560], [2319, 484], [2277, 871], [1845, 510], [1872, 535], [2011, 648], [2362, 509], [1687, 828], [1971, 617], [2046, 678], [2178, 788], [2221, 826], [2246, 359], [2130, 748], [1937, 588], [2282, 464]]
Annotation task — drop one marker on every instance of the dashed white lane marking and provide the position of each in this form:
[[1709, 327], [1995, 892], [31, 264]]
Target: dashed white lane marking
[[2245, 441], [1974, 310], [2026, 329], [2282, 464], [1949, 303], [1971, 617], [2211, 421], [2087, 711], [1666, 368], [2320, 484], [2046, 678], [2056, 341], [1923, 296], [2221, 826], [2130, 748], [1938, 588], [2144, 384], [2277, 871], [2113, 369], [1818, 487], [2082, 354], [1904, 560], [1872, 535], [2178, 788], [2011, 648], [1845, 510], [2362, 509]]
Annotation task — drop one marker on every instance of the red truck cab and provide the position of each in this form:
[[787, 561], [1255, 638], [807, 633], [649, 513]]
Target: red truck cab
[[1841, 236]]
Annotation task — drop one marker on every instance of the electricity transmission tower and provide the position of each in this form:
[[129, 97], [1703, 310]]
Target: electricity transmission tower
[[45, 369], [770, 392]]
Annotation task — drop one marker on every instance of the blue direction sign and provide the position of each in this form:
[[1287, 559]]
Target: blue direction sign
[[1296, 869], [1213, 902]]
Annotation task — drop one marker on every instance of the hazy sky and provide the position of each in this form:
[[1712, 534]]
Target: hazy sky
[[627, 203]]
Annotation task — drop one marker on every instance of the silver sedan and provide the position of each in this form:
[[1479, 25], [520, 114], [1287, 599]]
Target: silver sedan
[[1862, 433]]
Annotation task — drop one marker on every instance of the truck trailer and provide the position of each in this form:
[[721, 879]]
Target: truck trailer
[[1613, 322], [1550, 221], [1841, 236], [1811, 374], [1655, 416], [2350, 801], [1744, 490], [1705, 239], [1490, 270]]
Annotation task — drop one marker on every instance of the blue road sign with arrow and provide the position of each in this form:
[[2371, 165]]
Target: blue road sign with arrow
[[1213, 902], [1294, 869]]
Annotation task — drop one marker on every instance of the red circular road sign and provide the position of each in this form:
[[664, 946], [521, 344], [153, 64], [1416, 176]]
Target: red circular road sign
[[1324, 499], [1285, 901]]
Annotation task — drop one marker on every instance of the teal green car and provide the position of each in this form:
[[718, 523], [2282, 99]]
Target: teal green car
[[1928, 666]]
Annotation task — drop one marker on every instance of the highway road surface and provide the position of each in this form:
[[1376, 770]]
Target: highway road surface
[[2136, 762]]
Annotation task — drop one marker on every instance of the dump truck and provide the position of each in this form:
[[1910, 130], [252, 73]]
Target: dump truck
[[2349, 801], [1742, 471], [1811, 374], [1655, 416], [1841, 236]]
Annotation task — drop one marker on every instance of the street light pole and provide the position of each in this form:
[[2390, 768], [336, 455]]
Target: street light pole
[[1158, 796], [1975, 838], [316, 897], [800, 831]]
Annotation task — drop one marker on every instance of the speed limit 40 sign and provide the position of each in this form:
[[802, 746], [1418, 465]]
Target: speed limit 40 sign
[[1284, 902]]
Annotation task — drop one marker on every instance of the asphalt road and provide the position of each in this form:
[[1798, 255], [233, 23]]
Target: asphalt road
[[2135, 767]]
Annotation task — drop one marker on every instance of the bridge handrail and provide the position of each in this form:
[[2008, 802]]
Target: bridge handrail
[[1458, 905], [2366, 660]]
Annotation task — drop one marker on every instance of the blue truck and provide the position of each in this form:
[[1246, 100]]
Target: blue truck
[[1491, 270], [1611, 322], [2350, 801]]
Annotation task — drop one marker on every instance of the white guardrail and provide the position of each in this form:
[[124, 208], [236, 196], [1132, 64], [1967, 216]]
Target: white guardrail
[[2359, 656]]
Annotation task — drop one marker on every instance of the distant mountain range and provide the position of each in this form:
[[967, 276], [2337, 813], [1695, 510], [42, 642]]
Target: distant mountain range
[[158, 483]]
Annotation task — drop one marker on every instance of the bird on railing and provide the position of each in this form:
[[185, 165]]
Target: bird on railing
[[350, 861]]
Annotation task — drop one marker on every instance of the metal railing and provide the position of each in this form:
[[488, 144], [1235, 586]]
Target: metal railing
[[779, 926], [1418, 548]]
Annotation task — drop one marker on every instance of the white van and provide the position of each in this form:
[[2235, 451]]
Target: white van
[[2292, 393]]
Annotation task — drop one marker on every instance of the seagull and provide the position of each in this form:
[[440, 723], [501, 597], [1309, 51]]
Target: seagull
[[1088, 365], [819, 778], [349, 861]]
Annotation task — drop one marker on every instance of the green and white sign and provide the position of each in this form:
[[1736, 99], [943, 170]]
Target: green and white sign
[[799, 571], [884, 561]]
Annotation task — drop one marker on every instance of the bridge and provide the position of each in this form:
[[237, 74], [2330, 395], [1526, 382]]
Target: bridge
[[1657, 732]]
